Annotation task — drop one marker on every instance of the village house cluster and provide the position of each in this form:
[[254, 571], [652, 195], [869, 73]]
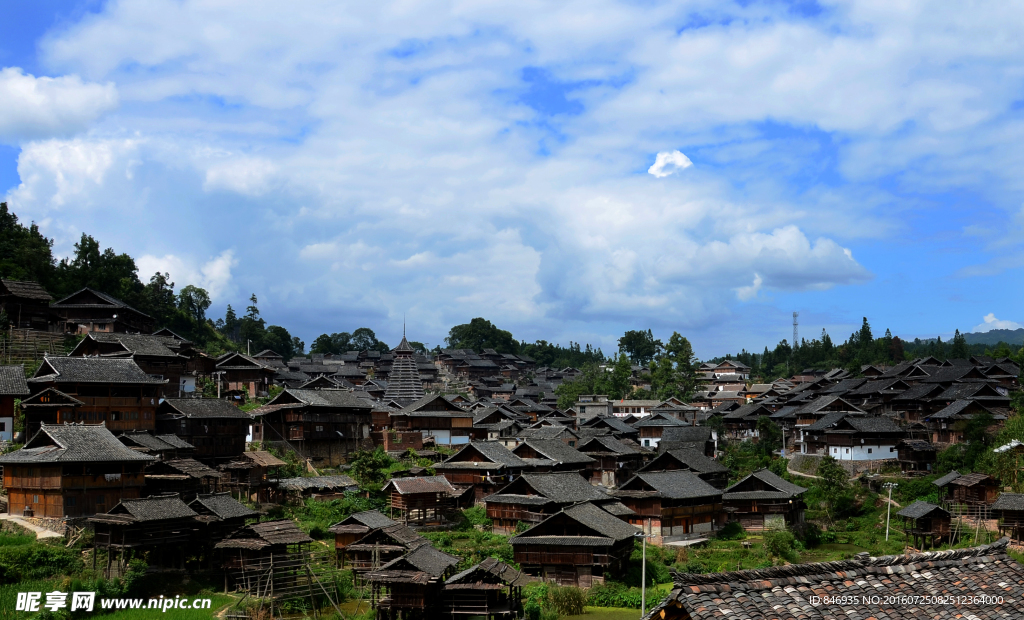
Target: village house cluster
[[118, 438]]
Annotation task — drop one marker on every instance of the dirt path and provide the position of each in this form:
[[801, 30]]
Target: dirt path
[[40, 532]]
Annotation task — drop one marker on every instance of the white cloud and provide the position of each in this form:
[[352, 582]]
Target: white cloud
[[214, 275], [44, 107], [746, 293], [669, 162], [250, 176], [991, 322]]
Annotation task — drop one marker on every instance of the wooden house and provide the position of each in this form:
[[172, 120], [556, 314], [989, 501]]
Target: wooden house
[[975, 491], [579, 546], [12, 387], [926, 524], [425, 500], [533, 497], [115, 392], [258, 546], [215, 427], [916, 456], [863, 438], [27, 305], [491, 589], [185, 477], [672, 505], [379, 546], [762, 500], [439, 418], [161, 357], [708, 470], [485, 466], [614, 462], [322, 425], [88, 310], [253, 476], [71, 470], [652, 427], [161, 524], [946, 426], [355, 527], [547, 455], [219, 515], [1009, 509], [615, 426], [237, 373], [410, 586]]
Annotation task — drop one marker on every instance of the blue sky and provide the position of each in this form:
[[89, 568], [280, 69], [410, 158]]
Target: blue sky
[[568, 170]]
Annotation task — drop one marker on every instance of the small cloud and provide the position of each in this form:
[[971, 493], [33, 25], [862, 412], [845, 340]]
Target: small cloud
[[44, 107], [669, 162], [991, 322], [214, 275], [746, 293]]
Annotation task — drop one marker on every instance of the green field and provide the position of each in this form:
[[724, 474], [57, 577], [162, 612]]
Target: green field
[[608, 613]]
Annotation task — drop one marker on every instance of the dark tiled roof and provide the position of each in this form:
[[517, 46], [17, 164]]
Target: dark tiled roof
[[327, 398], [494, 452], [223, 506], [203, 408], [955, 409], [91, 370], [12, 381], [678, 484], [424, 558], [950, 477], [139, 344], [283, 532], [317, 483], [110, 301], [557, 450], [422, 484], [190, 467], [920, 509], [773, 480], [969, 480], [693, 459], [700, 434], [1009, 501], [488, 571], [145, 440], [608, 528], [872, 424], [785, 591], [156, 508], [26, 290], [563, 487], [606, 443], [370, 518], [70, 443]]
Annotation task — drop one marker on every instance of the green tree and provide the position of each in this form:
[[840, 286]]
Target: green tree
[[25, 254], [833, 488], [370, 468], [688, 378], [194, 302], [958, 348], [480, 334], [769, 435], [160, 300], [618, 385], [363, 339], [640, 346]]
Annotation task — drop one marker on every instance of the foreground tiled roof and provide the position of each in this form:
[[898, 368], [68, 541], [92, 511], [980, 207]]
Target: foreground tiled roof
[[223, 505], [70, 443], [786, 592], [27, 290], [91, 370], [12, 381], [156, 508], [204, 408]]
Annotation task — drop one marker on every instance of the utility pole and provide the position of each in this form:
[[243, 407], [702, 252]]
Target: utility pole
[[796, 341], [643, 569], [888, 510]]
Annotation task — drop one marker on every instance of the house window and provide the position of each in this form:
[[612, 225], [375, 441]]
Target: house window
[[35, 499], [892, 449], [869, 450], [69, 501], [3, 427], [101, 500], [647, 443], [847, 450]]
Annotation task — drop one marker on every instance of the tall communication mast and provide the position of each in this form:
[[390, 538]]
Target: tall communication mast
[[796, 341]]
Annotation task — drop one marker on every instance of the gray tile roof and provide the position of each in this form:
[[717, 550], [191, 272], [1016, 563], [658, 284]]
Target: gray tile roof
[[1009, 501], [943, 481], [424, 558], [327, 398], [145, 440], [26, 290], [71, 443], [601, 521], [694, 459], [920, 509], [202, 408], [562, 487], [317, 483], [370, 518], [155, 508], [12, 381], [109, 301], [785, 591], [770, 479], [91, 370], [139, 344], [421, 484], [556, 450], [678, 484], [223, 506], [605, 443], [493, 452]]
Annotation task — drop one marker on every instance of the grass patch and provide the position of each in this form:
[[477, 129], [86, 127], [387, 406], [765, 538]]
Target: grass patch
[[608, 613]]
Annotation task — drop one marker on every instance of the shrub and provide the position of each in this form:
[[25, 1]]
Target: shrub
[[778, 542], [808, 533], [732, 530], [613, 594], [567, 600], [477, 515]]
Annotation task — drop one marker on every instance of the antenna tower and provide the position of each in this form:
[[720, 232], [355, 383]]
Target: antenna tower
[[796, 342]]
